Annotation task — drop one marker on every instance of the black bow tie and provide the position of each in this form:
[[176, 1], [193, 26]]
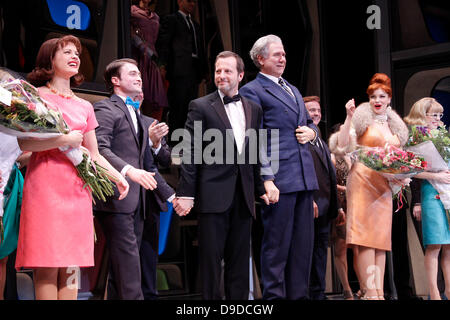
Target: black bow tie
[[227, 99]]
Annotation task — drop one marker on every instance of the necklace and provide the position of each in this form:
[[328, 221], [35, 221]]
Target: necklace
[[55, 91], [380, 118]]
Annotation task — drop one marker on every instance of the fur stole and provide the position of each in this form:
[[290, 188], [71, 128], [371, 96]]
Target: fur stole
[[364, 117], [333, 144]]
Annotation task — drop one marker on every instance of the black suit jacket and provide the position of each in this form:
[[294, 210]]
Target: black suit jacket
[[213, 185], [326, 196], [174, 47], [151, 160]]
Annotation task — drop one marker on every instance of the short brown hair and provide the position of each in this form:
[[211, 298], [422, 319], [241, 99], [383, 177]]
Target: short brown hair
[[311, 98], [43, 70], [113, 70], [227, 54]]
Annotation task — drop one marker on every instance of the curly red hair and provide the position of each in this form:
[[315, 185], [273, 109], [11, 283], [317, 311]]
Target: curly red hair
[[380, 81]]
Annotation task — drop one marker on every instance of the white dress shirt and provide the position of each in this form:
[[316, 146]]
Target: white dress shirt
[[236, 115]]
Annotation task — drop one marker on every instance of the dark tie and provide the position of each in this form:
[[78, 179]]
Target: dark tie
[[286, 88], [227, 99], [191, 28]]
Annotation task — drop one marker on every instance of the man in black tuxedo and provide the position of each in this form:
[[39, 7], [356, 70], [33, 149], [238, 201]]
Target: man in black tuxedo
[[124, 141], [181, 53], [325, 203], [224, 189]]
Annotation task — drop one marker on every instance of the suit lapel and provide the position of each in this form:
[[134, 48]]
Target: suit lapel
[[279, 93], [248, 117], [182, 21], [218, 106], [121, 105], [321, 154]]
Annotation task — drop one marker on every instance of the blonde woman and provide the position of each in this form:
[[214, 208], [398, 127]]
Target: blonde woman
[[435, 227]]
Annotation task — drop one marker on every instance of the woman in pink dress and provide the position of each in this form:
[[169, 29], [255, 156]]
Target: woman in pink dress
[[56, 234], [145, 28]]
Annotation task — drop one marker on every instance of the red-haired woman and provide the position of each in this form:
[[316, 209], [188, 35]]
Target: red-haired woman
[[56, 228], [369, 197]]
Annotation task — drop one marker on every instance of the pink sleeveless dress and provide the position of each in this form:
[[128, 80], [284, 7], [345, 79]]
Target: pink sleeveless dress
[[56, 225]]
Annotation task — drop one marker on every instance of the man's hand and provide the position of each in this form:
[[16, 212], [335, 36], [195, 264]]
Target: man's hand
[[156, 132], [183, 206], [272, 192], [316, 210], [304, 134], [144, 178]]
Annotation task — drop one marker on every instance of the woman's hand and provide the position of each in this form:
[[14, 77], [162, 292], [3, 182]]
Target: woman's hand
[[74, 138], [123, 187], [340, 219], [417, 212], [350, 107], [443, 176]]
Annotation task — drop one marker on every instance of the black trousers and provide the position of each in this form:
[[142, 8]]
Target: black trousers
[[226, 236], [317, 279], [149, 255], [123, 233]]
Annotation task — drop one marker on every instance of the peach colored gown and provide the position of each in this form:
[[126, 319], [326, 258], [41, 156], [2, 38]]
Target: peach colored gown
[[56, 224], [369, 201]]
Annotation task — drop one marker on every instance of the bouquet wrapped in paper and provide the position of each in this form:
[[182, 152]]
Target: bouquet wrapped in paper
[[434, 146], [393, 163], [24, 114]]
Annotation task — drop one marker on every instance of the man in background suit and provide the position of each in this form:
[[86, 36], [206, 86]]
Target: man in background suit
[[181, 53], [123, 141], [224, 190], [287, 242], [325, 203], [159, 156]]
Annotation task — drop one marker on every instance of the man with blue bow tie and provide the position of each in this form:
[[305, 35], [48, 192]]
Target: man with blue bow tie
[[123, 139], [287, 242]]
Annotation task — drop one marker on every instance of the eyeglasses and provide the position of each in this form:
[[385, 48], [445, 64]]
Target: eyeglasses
[[435, 115]]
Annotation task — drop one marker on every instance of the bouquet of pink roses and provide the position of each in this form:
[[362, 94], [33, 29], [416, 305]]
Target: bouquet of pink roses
[[24, 114]]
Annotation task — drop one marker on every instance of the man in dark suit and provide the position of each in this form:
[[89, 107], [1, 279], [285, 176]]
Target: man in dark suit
[[123, 141], [159, 156], [224, 189], [325, 203], [181, 53], [287, 242]]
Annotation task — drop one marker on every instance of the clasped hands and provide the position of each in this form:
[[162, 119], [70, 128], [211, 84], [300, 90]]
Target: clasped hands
[[304, 134], [183, 206]]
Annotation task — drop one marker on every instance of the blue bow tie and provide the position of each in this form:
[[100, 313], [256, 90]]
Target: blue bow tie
[[134, 104]]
